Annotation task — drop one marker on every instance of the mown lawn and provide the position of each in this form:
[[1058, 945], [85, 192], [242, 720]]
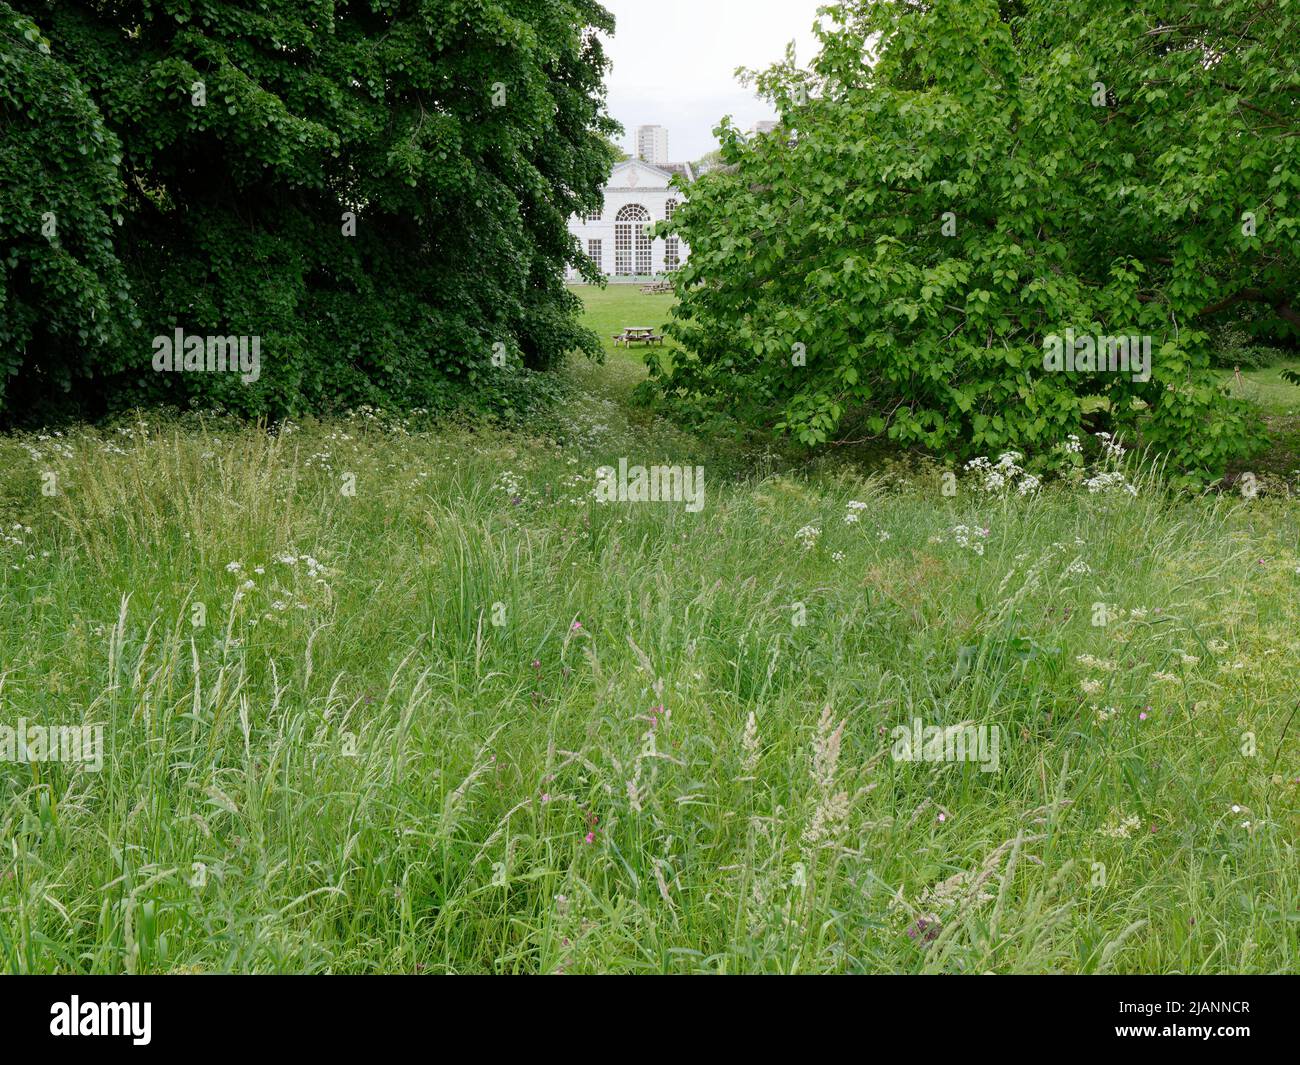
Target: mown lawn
[[1266, 388], [468, 719], [609, 311], [1279, 407]]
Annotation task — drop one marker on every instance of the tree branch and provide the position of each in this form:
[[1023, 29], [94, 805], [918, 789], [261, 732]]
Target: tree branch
[[1280, 304]]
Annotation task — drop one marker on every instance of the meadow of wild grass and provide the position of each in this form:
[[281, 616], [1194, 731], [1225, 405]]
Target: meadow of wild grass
[[382, 695]]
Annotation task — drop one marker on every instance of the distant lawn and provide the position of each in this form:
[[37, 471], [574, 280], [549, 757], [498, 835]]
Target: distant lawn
[[610, 310], [1279, 405], [1266, 388]]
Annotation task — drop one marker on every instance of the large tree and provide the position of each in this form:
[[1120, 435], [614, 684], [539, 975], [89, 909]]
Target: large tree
[[64, 302], [379, 189], [956, 182]]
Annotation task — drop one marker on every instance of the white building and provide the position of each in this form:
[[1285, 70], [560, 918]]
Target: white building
[[652, 145], [636, 196]]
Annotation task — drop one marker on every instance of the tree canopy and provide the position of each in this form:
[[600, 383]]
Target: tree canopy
[[957, 182], [378, 189]]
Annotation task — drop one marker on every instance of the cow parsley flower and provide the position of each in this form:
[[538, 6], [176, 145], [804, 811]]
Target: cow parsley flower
[[969, 538], [808, 536]]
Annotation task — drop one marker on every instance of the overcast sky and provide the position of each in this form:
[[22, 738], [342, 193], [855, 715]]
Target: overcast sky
[[674, 63]]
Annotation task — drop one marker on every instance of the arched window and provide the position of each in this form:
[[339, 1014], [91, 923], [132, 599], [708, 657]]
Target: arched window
[[670, 208], [631, 244]]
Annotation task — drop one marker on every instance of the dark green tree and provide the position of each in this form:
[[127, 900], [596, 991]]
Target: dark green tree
[[378, 190], [65, 311]]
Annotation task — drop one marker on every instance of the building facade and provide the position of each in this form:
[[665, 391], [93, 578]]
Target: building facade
[[652, 145], [636, 196]]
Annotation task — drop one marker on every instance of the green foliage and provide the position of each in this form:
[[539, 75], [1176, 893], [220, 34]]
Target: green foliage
[[64, 302], [379, 191], [1234, 345], [1093, 162]]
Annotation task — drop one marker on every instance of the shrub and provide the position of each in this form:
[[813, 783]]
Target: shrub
[[901, 249]]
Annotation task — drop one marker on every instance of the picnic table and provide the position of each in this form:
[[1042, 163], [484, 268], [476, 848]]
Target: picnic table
[[637, 334]]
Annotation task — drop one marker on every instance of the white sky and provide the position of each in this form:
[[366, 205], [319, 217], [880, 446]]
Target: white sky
[[674, 63]]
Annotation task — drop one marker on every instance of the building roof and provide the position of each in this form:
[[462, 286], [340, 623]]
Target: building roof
[[669, 170]]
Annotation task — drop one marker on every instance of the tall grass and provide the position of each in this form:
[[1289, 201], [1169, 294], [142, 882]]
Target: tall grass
[[466, 719]]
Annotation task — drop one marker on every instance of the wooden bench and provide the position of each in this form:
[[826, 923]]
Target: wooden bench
[[637, 335]]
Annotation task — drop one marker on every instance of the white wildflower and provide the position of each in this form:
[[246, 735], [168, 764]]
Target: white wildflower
[[808, 536]]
